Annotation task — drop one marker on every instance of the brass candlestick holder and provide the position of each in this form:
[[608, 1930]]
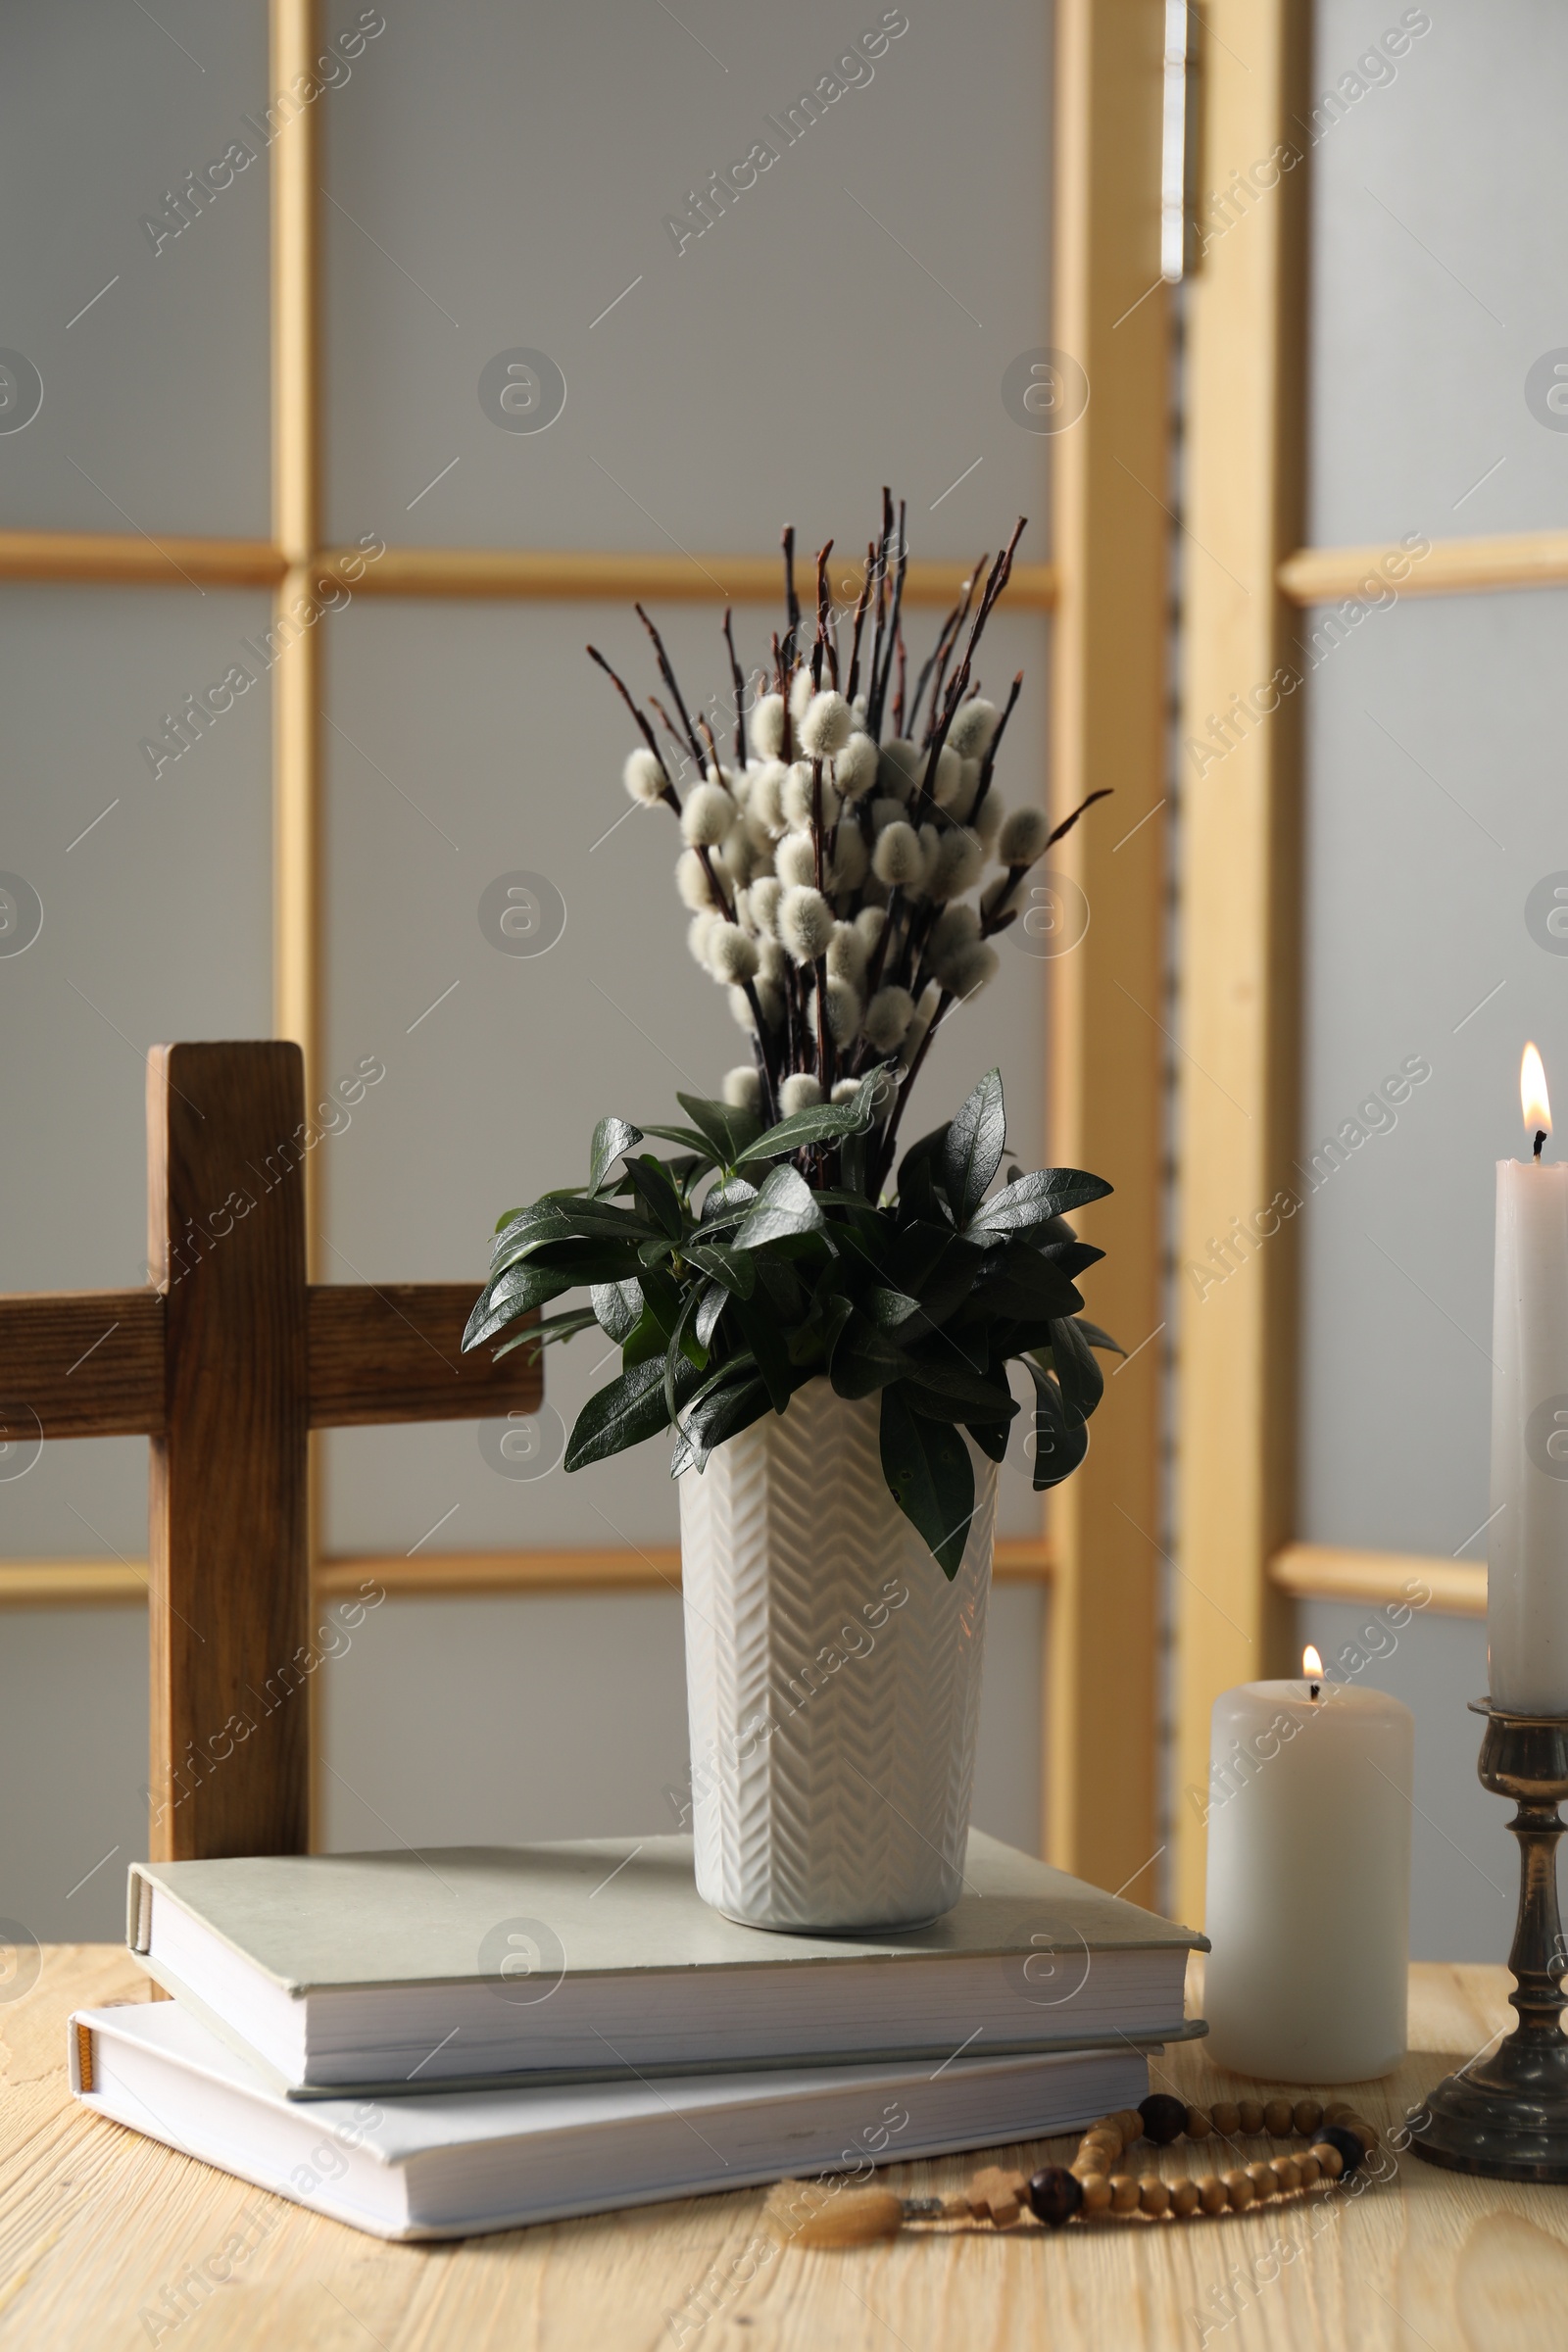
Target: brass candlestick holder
[[1506, 2114]]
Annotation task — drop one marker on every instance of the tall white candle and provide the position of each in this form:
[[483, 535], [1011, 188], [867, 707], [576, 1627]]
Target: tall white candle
[[1527, 1574], [1308, 1907]]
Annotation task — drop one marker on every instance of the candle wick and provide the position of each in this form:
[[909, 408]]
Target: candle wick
[[1315, 1689], [1541, 1137]]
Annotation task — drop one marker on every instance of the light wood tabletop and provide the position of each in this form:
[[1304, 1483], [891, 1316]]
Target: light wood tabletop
[[99, 2229]]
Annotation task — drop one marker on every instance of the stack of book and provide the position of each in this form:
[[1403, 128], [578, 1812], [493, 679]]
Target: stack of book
[[429, 2045]]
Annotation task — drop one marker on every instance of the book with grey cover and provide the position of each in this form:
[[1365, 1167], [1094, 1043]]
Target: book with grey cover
[[462, 2162], [404, 1971]]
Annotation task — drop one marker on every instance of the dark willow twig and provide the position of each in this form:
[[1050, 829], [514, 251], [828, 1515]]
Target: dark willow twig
[[792, 601], [860, 603], [673, 683], [879, 685], [643, 727], [738, 682], [819, 648], [987, 763]]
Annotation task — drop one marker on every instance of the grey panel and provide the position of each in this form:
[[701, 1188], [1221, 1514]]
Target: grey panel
[[1433, 811], [463, 746], [145, 326], [1438, 227], [73, 1763], [156, 902], [1464, 1868], [847, 320]]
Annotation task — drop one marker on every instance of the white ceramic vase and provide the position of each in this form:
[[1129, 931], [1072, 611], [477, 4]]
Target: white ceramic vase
[[832, 1677]]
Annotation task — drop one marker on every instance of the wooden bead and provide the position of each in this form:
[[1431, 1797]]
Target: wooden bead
[[1249, 2115], [997, 2195], [1129, 2122], [1226, 2117], [1365, 2131], [1288, 2172], [1199, 2122], [1305, 2116], [1055, 2196], [1239, 2191], [1102, 2137], [1212, 2193], [1331, 2164], [1277, 2118], [1183, 2198], [1310, 2170], [1262, 2175], [1336, 2113], [1154, 2194], [1123, 2194], [1096, 2194], [1163, 2118]]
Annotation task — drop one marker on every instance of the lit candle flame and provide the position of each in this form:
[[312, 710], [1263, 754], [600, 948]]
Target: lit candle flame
[[1311, 1664], [1533, 1093]]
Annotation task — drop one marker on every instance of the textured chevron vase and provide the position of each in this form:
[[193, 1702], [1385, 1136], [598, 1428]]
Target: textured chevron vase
[[832, 1677]]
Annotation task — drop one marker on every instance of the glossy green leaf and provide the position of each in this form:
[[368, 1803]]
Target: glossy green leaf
[[728, 1130], [822, 1123], [511, 1295], [736, 1269], [1031, 1200], [1079, 1376], [611, 1137], [785, 1205], [626, 1410], [971, 1152], [930, 1478], [617, 1305], [1059, 1443]]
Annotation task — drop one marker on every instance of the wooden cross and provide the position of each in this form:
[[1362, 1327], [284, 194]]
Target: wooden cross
[[225, 1363]]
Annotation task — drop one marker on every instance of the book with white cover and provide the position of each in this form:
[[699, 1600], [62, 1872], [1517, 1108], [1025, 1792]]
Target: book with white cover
[[455, 2163], [479, 1965]]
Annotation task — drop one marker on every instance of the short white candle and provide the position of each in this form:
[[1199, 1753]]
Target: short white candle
[[1527, 1575], [1309, 1881]]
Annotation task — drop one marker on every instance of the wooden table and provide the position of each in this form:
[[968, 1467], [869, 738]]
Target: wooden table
[[99, 2226]]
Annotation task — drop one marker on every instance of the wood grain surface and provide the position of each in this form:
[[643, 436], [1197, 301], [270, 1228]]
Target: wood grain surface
[[82, 1363], [226, 1489], [102, 2231], [394, 1352]]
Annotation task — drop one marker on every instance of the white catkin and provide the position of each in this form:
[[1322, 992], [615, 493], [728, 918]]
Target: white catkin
[[947, 782], [899, 767], [971, 731], [845, 1089], [847, 954], [740, 1006], [707, 816], [743, 1089], [770, 996], [732, 956], [914, 1035], [805, 923], [795, 859], [764, 805], [955, 931], [738, 859], [762, 904], [850, 858], [843, 1012], [765, 729], [643, 776], [959, 864], [796, 797], [986, 819], [870, 923], [898, 855], [799, 1092], [968, 785], [775, 961], [799, 692], [975, 970], [888, 1018], [994, 896], [854, 771], [697, 931], [825, 727], [930, 844], [740, 785], [1023, 836], [696, 891], [885, 812]]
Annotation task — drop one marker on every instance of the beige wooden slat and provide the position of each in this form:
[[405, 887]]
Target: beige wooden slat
[[1332, 1572], [1239, 914]]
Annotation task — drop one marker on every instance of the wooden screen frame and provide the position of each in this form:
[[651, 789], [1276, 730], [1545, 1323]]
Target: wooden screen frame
[[1108, 659], [1239, 966]]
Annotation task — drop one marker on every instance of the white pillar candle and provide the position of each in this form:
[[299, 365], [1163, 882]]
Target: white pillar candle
[[1309, 1881], [1527, 1575]]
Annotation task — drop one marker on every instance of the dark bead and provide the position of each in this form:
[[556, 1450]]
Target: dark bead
[[1055, 2196], [1351, 2149], [1164, 2118]]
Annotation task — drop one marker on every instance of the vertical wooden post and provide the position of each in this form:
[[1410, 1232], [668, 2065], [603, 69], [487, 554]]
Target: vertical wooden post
[[1241, 887], [229, 1567], [1109, 660]]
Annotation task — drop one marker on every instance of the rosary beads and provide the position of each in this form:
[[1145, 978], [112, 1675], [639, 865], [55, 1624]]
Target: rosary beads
[[1096, 2187]]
